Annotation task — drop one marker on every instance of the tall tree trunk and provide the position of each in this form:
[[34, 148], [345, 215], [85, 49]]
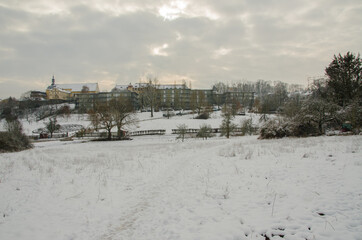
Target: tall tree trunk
[[109, 134], [119, 131]]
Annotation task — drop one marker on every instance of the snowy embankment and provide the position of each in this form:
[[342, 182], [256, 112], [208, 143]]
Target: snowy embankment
[[242, 188]]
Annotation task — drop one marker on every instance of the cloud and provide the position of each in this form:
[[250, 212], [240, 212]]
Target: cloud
[[160, 51], [221, 52], [205, 41]]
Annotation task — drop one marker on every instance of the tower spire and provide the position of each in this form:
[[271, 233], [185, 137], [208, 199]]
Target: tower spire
[[53, 80]]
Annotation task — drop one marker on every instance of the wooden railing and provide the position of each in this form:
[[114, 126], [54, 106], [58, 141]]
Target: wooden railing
[[147, 132], [194, 130]]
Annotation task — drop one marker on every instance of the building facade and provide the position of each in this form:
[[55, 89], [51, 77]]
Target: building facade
[[67, 91], [85, 102], [165, 96]]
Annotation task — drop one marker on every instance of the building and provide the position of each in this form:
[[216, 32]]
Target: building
[[179, 96], [87, 101], [33, 96], [119, 88], [246, 99], [67, 91], [166, 96], [175, 96]]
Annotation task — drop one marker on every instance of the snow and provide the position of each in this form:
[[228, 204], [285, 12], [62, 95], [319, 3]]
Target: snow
[[78, 87], [156, 187], [145, 122], [121, 87]]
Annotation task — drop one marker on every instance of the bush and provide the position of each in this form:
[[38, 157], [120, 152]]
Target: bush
[[14, 139], [10, 142], [279, 128], [204, 115], [275, 128], [205, 132], [64, 110], [353, 114], [247, 127], [182, 130], [299, 128]]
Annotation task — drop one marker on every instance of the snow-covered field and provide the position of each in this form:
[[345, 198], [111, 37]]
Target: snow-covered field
[[157, 187], [145, 122]]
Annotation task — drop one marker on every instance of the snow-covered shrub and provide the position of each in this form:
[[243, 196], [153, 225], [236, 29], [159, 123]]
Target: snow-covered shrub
[[247, 127], [182, 130], [205, 132], [299, 126], [14, 139], [302, 126], [353, 114], [64, 111], [275, 128], [204, 115]]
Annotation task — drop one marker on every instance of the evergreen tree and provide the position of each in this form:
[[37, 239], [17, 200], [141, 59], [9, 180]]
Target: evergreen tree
[[344, 74], [227, 126]]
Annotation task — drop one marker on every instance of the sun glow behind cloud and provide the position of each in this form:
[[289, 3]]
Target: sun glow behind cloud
[[160, 51], [221, 52], [177, 9], [173, 10]]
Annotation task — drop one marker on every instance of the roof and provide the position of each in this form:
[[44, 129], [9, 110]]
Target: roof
[[172, 86], [162, 86], [120, 87], [77, 87]]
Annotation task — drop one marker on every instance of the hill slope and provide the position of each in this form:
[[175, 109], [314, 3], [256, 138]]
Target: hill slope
[[242, 188]]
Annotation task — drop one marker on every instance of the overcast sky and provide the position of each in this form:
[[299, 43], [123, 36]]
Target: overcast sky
[[201, 41]]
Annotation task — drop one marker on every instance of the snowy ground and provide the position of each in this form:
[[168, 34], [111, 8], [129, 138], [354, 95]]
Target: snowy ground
[[160, 188], [145, 122]]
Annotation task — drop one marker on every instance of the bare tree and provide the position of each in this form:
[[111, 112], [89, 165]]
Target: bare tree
[[182, 130], [104, 117], [94, 119], [201, 103], [122, 113], [52, 126], [193, 101], [177, 102], [150, 94]]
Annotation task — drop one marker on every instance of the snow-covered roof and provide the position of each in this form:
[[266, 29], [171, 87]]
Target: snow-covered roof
[[77, 87], [62, 90], [172, 86], [162, 86], [121, 87], [140, 85]]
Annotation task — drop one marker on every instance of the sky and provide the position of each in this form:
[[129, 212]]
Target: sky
[[202, 42]]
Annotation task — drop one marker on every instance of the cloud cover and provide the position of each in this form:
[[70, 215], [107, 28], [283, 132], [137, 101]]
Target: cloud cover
[[205, 41]]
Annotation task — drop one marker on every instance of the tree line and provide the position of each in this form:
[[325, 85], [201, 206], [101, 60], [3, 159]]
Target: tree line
[[334, 102]]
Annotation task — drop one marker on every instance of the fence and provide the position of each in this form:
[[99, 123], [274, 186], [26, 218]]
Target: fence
[[213, 130], [147, 132], [125, 134]]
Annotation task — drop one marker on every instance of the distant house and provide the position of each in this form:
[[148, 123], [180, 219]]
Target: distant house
[[120, 88], [34, 96], [67, 91]]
